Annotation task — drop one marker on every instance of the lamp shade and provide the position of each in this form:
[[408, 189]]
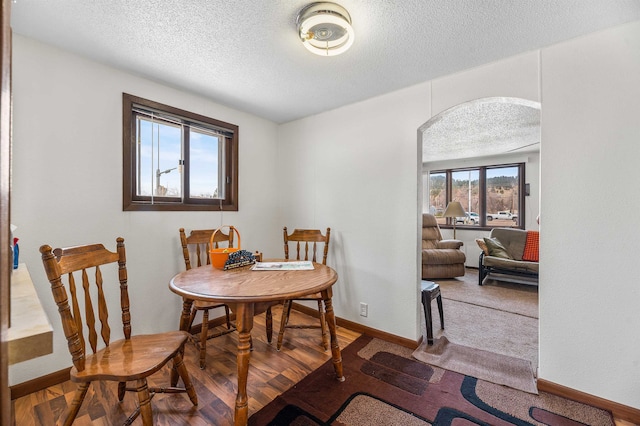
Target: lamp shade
[[454, 209]]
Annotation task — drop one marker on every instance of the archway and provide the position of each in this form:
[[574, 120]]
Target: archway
[[482, 132]]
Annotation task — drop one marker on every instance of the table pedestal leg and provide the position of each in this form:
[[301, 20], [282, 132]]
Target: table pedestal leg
[[185, 320], [244, 324], [331, 322]]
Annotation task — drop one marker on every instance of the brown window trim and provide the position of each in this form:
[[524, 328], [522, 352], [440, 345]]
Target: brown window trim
[[129, 203], [484, 226]]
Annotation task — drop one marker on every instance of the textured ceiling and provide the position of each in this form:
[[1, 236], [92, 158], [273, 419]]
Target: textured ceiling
[[246, 53], [483, 127]]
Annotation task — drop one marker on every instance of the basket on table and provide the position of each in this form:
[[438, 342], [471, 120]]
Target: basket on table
[[219, 256]]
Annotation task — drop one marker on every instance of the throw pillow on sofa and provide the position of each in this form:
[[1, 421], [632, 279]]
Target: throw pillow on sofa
[[532, 247], [496, 249], [483, 246]]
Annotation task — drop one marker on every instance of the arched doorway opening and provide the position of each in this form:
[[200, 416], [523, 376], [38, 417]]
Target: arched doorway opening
[[486, 132]]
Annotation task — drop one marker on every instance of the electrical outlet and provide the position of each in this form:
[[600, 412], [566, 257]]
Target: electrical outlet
[[364, 309]]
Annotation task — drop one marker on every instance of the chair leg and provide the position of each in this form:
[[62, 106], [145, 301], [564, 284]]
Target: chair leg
[[179, 365], [144, 399], [189, 312], [480, 259], [269, 324], [122, 389], [226, 310], [426, 303], [192, 317], [289, 306], [286, 309], [482, 272], [323, 326], [81, 391], [203, 338], [439, 300]]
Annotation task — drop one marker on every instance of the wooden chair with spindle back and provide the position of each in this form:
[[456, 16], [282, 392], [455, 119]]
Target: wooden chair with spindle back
[[310, 238], [133, 358], [198, 243]]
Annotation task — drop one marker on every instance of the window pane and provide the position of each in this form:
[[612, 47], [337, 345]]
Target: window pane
[[490, 195], [204, 173], [438, 195], [503, 196], [465, 187], [159, 153]]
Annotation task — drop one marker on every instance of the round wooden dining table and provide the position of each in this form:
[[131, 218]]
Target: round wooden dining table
[[246, 292]]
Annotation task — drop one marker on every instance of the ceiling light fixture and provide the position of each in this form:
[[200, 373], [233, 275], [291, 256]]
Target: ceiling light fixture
[[325, 28]]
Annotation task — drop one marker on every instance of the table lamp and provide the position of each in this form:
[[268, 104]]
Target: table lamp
[[454, 210]]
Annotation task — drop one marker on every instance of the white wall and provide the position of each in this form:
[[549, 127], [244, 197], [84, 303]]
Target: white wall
[[357, 169], [589, 316], [67, 183], [354, 169], [362, 185]]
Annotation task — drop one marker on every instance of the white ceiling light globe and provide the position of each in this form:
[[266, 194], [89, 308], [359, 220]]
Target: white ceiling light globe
[[325, 28]]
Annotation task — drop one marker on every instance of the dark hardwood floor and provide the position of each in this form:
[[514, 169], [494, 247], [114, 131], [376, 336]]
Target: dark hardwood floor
[[270, 373]]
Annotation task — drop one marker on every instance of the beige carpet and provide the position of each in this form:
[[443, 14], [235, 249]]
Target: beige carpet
[[503, 296], [491, 332]]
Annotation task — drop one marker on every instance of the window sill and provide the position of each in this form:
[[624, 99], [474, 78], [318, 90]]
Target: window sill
[[138, 206]]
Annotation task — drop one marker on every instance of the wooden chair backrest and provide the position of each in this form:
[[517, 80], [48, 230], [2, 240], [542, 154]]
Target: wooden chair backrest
[[85, 261], [198, 242], [307, 236]]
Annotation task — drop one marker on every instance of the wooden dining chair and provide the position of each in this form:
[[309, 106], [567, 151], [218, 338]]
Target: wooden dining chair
[[198, 243], [131, 359], [305, 240], [197, 246]]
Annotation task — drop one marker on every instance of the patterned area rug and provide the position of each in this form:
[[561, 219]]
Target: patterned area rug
[[385, 386]]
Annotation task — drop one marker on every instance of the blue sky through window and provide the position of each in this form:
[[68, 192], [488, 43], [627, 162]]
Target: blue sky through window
[[160, 153], [204, 165]]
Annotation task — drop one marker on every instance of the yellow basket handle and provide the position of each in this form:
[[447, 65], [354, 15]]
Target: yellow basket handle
[[231, 229]]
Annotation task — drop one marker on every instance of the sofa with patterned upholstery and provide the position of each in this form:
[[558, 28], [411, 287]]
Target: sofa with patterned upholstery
[[509, 254]]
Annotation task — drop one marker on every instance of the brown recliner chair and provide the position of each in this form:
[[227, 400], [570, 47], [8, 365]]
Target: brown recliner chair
[[440, 258]]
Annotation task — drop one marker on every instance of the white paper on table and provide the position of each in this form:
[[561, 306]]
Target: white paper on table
[[283, 266]]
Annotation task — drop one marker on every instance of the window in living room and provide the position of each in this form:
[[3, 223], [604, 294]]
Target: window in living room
[[177, 160], [492, 196]]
